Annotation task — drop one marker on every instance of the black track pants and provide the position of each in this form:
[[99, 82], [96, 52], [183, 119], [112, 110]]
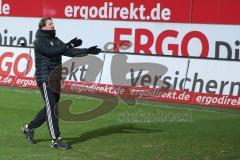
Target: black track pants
[[49, 112]]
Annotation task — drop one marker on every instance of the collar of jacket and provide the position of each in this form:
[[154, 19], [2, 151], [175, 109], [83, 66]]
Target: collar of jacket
[[46, 33]]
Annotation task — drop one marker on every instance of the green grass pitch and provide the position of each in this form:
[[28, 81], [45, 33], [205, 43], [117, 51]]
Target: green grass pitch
[[169, 131]]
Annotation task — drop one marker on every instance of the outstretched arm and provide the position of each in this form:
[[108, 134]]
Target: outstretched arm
[[76, 52]]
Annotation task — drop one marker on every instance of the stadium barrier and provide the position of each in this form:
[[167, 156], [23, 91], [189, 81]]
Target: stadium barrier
[[192, 57]]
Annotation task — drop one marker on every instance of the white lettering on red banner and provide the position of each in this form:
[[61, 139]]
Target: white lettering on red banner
[[109, 11], [4, 8]]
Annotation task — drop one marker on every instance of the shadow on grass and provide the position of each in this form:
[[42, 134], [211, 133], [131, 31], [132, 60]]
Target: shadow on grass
[[105, 131]]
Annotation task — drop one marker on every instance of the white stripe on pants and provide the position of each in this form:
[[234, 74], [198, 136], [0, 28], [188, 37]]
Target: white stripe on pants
[[49, 113]]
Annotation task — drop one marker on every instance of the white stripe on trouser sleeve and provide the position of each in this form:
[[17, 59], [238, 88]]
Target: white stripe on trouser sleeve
[[49, 113]]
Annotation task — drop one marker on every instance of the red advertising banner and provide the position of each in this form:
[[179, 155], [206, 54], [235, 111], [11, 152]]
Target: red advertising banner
[[216, 11], [23, 8], [134, 10], [184, 11], [124, 92]]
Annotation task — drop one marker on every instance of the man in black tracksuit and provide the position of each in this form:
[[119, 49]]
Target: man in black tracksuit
[[48, 59]]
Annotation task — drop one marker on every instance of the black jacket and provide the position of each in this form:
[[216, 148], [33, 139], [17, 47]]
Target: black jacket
[[48, 54]]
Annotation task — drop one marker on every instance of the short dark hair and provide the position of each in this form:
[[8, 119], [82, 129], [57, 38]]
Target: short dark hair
[[42, 22]]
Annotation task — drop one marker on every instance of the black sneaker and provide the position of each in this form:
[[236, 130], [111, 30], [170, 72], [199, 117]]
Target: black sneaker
[[29, 134], [60, 144]]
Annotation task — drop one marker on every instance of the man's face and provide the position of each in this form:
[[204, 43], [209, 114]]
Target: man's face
[[49, 25]]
